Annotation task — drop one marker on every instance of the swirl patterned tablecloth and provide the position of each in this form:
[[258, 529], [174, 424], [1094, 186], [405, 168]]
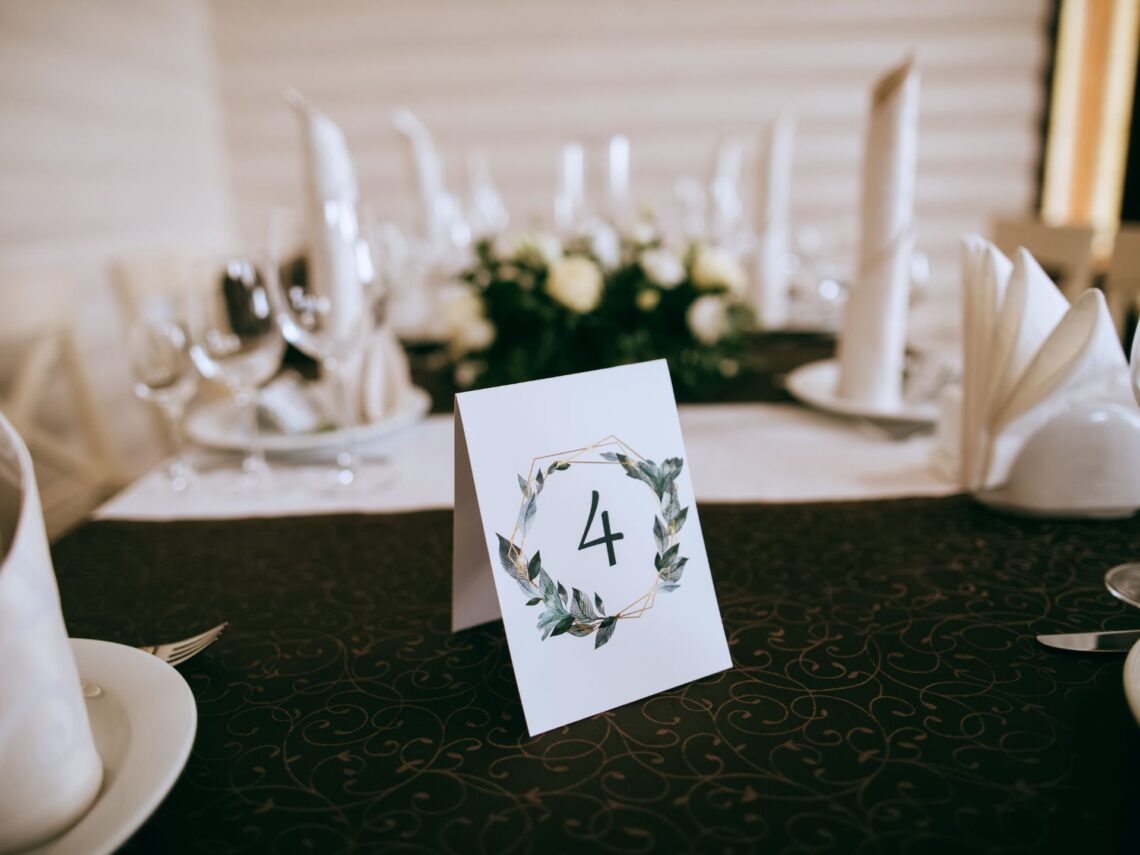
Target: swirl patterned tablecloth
[[886, 694]]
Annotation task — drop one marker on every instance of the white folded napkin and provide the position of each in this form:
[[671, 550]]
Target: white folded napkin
[[443, 217], [378, 378], [50, 771], [872, 340], [337, 256], [381, 376], [773, 202], [1027, 356]]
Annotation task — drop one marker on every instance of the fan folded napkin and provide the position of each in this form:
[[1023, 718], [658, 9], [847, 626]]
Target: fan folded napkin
[[872, 342], [50, 771], [770, 287], [1028, 356]]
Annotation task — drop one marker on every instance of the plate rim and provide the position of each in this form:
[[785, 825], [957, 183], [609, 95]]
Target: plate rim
[[831, 403], [179, 693], [417, 407]]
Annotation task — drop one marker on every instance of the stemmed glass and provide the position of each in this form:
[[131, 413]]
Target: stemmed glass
[[234, 339], [164, 375], [321, 299]]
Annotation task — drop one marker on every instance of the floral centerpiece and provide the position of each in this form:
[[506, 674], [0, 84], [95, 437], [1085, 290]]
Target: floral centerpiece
[[531, 307]]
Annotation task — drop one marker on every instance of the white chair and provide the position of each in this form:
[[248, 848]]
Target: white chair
[[1122, 288], [141, 281], [1064, 251], [40, 346]]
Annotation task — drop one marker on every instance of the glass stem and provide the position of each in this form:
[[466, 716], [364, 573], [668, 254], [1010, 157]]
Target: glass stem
[[254, 462], [346, 420], [181, 470]]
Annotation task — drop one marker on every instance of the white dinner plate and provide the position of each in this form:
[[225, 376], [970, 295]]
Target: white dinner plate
[[1132, 680], [815, 384], [143, 723], [220, 425]]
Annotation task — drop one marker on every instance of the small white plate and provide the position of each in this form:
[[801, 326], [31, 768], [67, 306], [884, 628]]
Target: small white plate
[[816, 382], [1132, 680], [220, 425], [143, 723]]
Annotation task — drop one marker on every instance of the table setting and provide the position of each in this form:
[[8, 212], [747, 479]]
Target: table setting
[[891, 585]]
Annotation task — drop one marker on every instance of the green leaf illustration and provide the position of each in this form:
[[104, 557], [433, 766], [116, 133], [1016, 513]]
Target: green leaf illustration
[[679, 520], [534, 566], [522, 484], [598, 602], [659, 534], [580, 630], [527, 512], [582, 608], [562, 593], [563, 625], [605, 632], [534, 601]]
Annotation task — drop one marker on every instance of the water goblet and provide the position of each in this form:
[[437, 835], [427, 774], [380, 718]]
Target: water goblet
[[235, 340], [322, 293], [164, 376]]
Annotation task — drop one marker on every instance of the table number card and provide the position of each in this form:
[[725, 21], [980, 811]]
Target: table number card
[[575, 522]]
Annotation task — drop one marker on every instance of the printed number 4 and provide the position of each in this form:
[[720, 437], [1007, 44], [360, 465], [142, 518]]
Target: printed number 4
[[607, 538]]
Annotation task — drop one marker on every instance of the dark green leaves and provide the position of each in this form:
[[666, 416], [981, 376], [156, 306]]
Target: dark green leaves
[[534, 601], [582, 608], [534, 566], [557, 466], [598, 602], [605, 631], [659, 534], [563, 625]]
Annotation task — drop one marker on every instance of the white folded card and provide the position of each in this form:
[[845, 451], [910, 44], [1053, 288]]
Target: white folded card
[[575, 522]]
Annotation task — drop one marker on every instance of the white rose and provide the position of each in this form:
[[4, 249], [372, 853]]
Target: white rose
[[605, 245], [542, 248], [715, 268], [662, 267], [648, 299], [477, 335], [575, 282], [708, 319], [643, 232], [463, 319]]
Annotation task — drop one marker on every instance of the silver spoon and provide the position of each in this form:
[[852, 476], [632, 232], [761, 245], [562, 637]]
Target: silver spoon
[[1123, 582]]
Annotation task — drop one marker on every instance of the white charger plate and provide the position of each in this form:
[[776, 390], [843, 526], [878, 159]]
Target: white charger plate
[[143, 724], [1132, 680], [815, 384], [220, 425]]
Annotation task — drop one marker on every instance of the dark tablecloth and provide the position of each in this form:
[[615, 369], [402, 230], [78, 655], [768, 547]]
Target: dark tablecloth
[[886, 693]]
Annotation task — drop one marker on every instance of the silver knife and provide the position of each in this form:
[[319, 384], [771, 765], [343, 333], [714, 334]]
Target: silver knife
[[1120, 641]]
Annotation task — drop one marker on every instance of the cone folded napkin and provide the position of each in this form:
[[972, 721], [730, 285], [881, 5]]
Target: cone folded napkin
[[1028, 360], [340, 268], [50, 771], [770, 288], [872, 343]]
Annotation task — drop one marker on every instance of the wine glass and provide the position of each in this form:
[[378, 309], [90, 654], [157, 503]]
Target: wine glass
[[164, 373], [321, 294], [234, 339]]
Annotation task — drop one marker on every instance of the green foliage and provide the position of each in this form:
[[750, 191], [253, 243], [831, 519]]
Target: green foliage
[[538, 337]]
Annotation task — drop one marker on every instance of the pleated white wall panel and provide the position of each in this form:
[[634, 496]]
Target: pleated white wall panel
[[111, 145], [517, 78]]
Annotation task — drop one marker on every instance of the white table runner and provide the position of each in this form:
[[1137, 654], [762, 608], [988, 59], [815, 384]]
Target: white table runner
[[739, 453]]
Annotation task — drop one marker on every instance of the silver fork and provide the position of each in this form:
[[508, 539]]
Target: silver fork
[[173, 653], [177, 652]]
